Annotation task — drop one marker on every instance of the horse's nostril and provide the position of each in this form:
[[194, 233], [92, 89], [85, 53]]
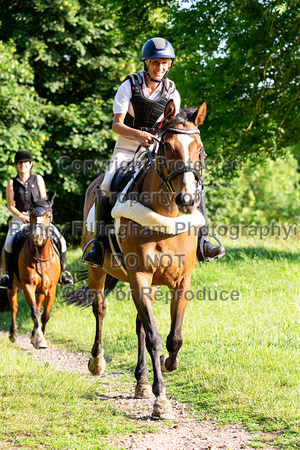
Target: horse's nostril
[[184, 199], [178, 199]]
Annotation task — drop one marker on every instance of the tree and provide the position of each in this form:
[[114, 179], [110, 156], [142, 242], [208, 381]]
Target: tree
[[243, 57], [77, 53], [21, 118]]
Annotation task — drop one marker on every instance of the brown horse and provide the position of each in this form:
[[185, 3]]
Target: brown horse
[[159, 257], [38, 268]]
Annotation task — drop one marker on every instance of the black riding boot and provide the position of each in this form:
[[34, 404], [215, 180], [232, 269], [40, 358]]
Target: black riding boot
[[95, 257], [208, 252], [65, 276], [7, 279]]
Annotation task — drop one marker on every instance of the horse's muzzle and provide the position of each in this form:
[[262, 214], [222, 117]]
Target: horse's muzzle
[[39, 232], [186, 203]]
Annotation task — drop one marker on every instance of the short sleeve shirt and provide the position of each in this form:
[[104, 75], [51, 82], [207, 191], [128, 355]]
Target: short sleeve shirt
[[122, 103]]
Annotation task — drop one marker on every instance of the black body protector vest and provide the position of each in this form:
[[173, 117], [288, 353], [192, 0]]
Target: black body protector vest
[[23, 192], [147, 112]]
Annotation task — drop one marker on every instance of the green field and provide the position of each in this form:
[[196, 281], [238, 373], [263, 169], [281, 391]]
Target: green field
[[239, 361]]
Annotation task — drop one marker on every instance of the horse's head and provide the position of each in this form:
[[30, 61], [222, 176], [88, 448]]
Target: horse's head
[[179, 163], [40, 219]]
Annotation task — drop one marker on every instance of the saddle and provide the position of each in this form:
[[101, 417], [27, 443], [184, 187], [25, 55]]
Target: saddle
[[125, 175], [130, 172]]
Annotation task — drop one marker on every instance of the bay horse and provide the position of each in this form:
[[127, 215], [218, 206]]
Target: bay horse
[[156, 253], [38, 268]]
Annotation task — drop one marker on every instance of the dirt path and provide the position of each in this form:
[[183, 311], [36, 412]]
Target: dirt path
[[185, 433]]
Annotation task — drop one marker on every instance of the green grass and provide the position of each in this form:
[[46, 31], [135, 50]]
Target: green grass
[[240, 359], [49, 409]]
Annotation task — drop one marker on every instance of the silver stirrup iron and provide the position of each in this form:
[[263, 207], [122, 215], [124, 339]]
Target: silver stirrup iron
[[203, 238]]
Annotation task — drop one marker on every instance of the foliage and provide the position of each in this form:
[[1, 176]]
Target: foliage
[[62, 62], [75, 56], [21, 118], [264, 192], [243, 57]]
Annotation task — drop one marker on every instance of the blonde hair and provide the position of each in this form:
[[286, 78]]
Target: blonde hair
[[148, 61]]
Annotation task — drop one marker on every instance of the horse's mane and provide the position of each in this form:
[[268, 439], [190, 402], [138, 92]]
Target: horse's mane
[[182, 117], [141, 156], [44, 203]]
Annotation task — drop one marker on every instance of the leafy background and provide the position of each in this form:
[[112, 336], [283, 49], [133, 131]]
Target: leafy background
[[61, 63]]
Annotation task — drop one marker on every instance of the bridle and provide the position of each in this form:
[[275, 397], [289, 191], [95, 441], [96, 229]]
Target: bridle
[[166, 181], [38, 256]]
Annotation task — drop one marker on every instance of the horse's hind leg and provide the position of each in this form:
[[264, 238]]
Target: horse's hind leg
[[97, 362], [13, 300]]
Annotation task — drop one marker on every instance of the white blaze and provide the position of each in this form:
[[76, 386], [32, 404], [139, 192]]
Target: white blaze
[[188, 177]]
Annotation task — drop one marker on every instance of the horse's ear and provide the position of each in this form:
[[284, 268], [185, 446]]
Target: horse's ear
[[199, 115], [170, 110], [51, 199]]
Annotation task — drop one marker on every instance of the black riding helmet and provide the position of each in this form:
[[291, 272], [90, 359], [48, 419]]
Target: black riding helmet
[[157, 48], [23, 156]]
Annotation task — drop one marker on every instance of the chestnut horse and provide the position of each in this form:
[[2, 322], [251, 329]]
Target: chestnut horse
[[161, 258], [38, 268]]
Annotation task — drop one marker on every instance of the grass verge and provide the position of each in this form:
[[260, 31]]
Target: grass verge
[[240, 358]]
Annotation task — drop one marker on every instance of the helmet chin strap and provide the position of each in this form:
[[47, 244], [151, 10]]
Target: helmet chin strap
[[152, 79]]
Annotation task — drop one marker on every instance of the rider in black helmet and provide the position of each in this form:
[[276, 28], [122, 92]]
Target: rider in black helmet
[[19, 192], [138, 109]]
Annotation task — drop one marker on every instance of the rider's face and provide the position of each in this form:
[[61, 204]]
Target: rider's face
[[24, 166], [157, 68]]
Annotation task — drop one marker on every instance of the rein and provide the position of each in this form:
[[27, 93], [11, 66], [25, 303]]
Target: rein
[[166, 181], [39, 258]]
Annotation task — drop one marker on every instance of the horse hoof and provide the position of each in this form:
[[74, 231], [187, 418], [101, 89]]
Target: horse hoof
[[13, 338], [43, 343], [38, 340], [162, 409], [143, 390], [163, 359], [97, 365]]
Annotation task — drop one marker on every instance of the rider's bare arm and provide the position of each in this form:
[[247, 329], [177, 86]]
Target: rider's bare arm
[[41, 186]]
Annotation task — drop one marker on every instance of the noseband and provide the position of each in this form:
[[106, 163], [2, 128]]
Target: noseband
[[166, 181]]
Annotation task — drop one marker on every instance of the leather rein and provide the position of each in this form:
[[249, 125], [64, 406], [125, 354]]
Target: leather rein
[[166, 181], [38, 256]]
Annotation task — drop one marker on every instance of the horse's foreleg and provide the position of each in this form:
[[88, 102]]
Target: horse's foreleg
[[13, 300], [97, 362], [37, 337], [48, 301], [141, 287], [174, 339]]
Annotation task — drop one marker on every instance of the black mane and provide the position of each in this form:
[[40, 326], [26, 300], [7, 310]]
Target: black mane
[[181, 118]]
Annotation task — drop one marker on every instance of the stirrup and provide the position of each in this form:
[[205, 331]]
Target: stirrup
[[4, 282], [68, 276], [203, 238], [89, 263]]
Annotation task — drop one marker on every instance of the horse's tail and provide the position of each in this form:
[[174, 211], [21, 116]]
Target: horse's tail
[[4, 302], [83, 297]]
